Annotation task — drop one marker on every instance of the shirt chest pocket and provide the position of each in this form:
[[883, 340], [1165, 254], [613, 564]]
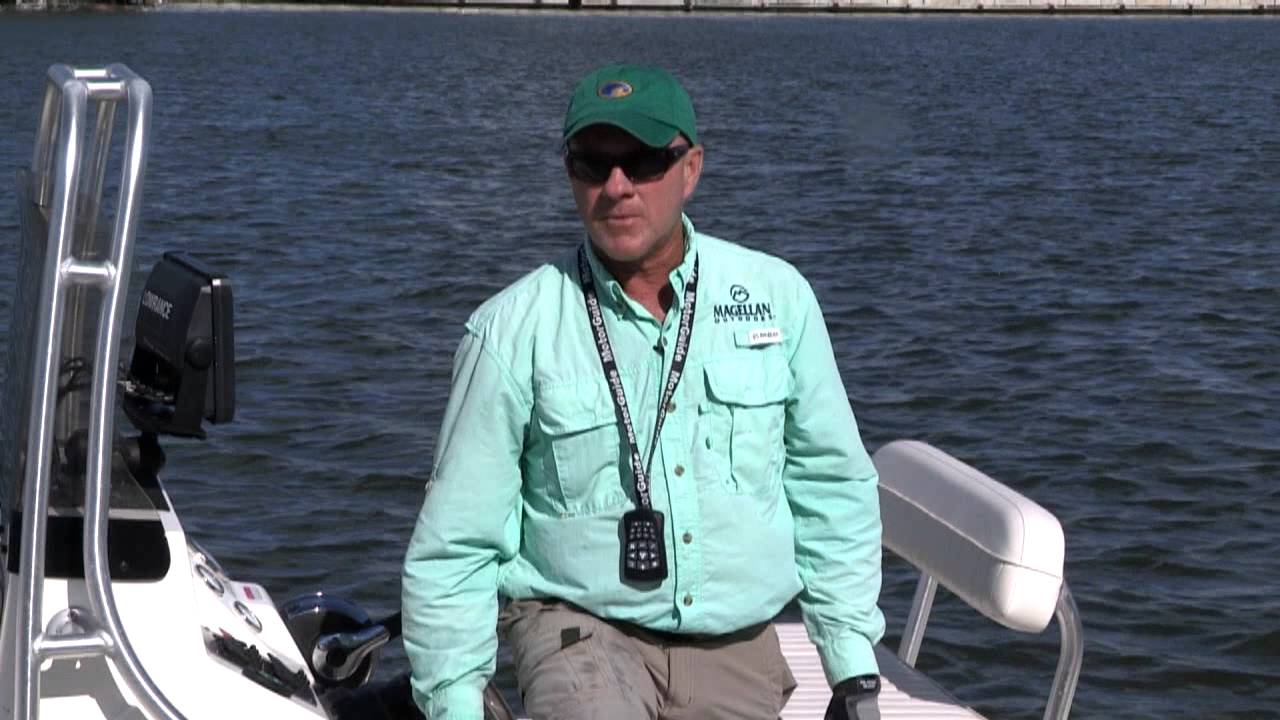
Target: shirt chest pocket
[[742, 421], [582, 471]]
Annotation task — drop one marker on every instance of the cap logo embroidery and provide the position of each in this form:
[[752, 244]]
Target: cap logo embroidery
[[614, 90]]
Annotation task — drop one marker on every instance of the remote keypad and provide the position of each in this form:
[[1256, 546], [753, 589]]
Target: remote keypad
[[644, 555]]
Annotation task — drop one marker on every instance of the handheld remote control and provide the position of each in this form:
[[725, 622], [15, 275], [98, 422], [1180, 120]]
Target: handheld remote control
[[644, 552]]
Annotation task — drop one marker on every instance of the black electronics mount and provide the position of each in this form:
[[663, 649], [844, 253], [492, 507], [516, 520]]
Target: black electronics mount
[[183, 367]]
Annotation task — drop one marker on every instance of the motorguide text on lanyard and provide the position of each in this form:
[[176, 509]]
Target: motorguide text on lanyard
[[644, 554]]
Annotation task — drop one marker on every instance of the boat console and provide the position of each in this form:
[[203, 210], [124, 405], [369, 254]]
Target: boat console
[[109, 610]]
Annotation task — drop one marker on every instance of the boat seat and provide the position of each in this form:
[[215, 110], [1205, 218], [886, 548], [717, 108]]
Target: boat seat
[[904, 693]]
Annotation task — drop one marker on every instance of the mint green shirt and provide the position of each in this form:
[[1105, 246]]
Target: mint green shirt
[[767, 491]]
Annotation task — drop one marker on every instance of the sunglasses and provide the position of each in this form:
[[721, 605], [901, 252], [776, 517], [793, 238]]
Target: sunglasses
[[639, 166]]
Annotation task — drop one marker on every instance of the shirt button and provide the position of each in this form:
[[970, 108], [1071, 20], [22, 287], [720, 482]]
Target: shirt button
[[679, 470], [708, 442], [688, 600], [688, 538], [671, 406]]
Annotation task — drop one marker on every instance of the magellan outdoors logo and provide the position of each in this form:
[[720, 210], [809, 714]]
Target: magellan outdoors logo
[[741, 310]]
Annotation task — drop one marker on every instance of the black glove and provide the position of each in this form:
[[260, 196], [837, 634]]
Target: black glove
[[855, 699]]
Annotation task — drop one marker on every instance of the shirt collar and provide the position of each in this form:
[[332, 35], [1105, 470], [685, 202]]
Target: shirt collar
[[611, 291]]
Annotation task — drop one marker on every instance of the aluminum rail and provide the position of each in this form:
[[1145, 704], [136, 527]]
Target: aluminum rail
[[66, 173], [917, 619], [1070, 657], [1070, 652], [63, 115]]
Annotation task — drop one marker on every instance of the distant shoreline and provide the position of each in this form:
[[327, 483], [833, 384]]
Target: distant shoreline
[[756, 7]]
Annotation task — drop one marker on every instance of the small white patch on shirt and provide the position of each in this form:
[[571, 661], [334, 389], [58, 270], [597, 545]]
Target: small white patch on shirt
[[764, 336]]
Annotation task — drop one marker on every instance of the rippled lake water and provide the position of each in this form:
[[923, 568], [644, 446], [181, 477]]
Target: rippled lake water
[[1050, 246]]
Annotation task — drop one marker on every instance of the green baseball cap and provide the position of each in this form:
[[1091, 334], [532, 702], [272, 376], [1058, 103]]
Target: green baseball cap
[[645, 101]]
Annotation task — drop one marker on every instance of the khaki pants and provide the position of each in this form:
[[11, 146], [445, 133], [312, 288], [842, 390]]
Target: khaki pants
[[572, 665]]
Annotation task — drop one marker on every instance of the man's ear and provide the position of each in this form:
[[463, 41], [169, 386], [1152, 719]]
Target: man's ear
[[692, 170]]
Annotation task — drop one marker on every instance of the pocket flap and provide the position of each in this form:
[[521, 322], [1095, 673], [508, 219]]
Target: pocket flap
[[567, 409], [756, 378]]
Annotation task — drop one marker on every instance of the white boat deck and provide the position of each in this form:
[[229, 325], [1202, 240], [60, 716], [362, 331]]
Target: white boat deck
[[904, 692]]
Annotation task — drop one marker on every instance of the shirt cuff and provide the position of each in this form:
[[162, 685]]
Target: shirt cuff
[[847, 655], [460, 701]]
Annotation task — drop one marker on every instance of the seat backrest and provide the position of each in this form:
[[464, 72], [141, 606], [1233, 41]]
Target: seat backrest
[[996, 549]]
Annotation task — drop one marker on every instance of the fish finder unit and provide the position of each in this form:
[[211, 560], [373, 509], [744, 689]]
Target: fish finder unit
[[183, 367]]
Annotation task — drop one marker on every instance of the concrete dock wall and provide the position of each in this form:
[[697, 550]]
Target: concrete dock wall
[[1097, 7], [889, 6], [924, 6]]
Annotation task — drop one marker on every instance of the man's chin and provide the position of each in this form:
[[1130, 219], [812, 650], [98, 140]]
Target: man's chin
[[622, 249]]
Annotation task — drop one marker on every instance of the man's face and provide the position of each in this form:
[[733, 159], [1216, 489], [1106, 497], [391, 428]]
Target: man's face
[[632, 218]]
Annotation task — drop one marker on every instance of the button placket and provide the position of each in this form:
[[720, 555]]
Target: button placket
[[685, 523]]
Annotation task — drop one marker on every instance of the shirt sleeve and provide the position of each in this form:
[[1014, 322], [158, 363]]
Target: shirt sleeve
[[469, 522], [830, 484]]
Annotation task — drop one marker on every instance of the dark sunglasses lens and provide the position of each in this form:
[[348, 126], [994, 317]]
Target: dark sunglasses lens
[[647, 164], [589, 168], [639, 166]]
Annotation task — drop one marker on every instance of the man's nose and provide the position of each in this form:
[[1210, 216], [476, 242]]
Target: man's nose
[[618, 184]]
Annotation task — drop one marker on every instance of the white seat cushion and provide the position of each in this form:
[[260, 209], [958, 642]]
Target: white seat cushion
[[996, 549]]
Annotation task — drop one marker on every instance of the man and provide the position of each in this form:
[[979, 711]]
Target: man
[[642, 573]]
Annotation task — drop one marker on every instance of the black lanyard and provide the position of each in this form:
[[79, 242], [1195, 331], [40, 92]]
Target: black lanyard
[[607, 361], [644, 552]]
